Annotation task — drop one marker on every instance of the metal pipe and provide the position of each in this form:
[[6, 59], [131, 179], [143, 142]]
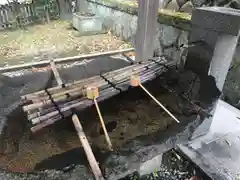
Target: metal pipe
[[61, 60]]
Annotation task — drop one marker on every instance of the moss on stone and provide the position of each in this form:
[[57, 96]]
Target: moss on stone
[[178, 15], [175, 19], [168, 17]]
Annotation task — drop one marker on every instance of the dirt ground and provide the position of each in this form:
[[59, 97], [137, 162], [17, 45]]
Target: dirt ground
[[53, 40], [127, 116]]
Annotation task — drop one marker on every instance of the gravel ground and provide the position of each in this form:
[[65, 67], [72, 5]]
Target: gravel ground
[[53, 40]]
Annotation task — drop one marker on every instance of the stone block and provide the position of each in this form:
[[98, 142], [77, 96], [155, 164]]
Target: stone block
[[87, 24], [221, 19]]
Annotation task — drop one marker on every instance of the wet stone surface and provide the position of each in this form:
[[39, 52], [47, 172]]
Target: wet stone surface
[[174, 166]]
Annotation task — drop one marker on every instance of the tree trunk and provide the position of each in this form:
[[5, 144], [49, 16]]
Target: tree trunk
[[47, 15], [17, 13]]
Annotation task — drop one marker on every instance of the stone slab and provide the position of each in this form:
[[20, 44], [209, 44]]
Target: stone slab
[[217, 153], [224, 20]]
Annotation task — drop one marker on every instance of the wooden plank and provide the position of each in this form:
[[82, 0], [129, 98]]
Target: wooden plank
[[62, 60], [56, 73], [87, 148], [146, 29]]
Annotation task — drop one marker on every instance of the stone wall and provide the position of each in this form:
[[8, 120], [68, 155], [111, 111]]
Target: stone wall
[[121, 18], [173, 29]]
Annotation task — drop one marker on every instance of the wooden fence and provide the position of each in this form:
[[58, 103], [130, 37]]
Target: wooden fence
[[18, 15], [9, 17]]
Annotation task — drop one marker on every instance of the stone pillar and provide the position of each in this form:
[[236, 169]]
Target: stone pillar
[[222, 58], [219, 28], [146, 29]]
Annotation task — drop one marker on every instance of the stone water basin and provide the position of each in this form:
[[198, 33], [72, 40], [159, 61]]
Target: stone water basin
[[139, 129]]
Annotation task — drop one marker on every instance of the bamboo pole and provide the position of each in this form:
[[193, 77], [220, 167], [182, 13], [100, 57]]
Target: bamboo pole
[[136, 81], [93, 94], [103, 125], [78, 91], [98, 79], [94, 78], [84, 81], [53, 89], [56, 118], [85, 103], [160, 104], [72, 96], [87, 148], [48, 114], [58, 91], [79, 102]]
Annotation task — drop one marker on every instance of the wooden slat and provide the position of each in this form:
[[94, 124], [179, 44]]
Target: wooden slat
[[56, 73]]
